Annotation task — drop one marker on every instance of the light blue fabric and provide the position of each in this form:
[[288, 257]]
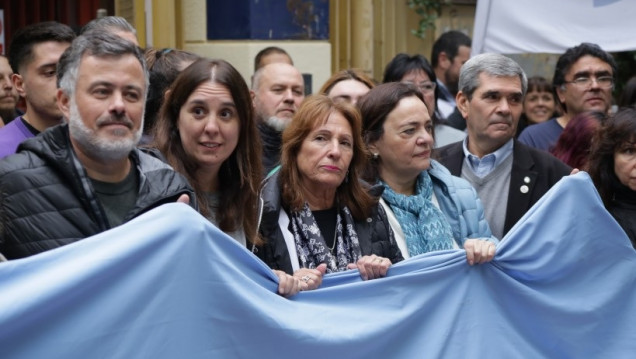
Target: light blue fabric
[[458, 200], [424, 225], [170, 285]]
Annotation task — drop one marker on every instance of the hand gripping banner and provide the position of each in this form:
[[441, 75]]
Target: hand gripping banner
[[170, 285]]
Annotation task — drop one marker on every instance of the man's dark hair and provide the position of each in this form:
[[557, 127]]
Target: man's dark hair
[[403, 64], [266, 51], [449, 43], [21, 48], [571, 56]]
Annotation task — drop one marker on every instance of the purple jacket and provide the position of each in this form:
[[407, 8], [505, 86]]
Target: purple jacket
[[12, 135]]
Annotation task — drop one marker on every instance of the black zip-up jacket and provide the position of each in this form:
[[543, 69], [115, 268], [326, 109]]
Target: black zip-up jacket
[[47, 199]]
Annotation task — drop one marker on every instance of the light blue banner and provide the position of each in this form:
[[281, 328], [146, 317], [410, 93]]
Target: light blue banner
[[170, 285]]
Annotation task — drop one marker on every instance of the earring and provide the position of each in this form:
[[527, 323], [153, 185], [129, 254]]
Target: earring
[[375, 156]]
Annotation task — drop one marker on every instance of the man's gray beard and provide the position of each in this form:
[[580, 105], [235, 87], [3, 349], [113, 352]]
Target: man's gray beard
[[277, 123], [96, 147]]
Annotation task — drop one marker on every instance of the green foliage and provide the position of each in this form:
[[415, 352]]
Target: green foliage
[[429, 11]]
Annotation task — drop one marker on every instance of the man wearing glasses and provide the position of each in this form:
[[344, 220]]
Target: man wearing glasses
[[583, 81]]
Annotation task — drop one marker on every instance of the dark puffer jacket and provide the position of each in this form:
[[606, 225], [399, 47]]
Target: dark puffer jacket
[[374, 233], [47, 199]]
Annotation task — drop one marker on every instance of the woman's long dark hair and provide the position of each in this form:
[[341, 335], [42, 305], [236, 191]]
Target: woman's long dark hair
[[618, 132], [241, 173]]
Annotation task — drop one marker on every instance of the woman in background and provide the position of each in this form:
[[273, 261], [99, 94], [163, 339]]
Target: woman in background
[[539, 104], [613, 168], [417, 71]]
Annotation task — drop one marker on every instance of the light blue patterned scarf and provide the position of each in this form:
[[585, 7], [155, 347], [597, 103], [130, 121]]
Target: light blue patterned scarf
[[425, 227]]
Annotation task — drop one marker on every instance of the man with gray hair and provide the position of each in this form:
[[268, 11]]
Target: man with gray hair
[[81, 178], [509, 176], [115, 25]]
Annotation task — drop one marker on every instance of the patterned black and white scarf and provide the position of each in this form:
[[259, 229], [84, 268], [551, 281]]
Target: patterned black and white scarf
[[311, 246]]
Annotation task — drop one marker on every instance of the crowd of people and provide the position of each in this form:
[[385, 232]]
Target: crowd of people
[[440, 155]]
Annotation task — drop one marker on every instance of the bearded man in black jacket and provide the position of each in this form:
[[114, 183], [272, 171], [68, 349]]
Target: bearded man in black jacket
[[86, 176]]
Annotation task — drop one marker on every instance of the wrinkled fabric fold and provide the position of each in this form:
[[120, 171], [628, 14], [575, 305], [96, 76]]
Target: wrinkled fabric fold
[[169, 284]]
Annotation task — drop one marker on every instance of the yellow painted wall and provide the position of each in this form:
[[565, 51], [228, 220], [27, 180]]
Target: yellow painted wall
[[133, 12], [164, 18], [365, 34]]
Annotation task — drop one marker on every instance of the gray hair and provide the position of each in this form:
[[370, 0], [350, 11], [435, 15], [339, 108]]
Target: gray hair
[[492, 64], [108, 23], [98, 44], [256, 78]]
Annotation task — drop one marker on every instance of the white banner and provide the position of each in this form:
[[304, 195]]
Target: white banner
[[552, 26]]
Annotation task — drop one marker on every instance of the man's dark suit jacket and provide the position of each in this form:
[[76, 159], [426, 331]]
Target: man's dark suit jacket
[[537, 170]]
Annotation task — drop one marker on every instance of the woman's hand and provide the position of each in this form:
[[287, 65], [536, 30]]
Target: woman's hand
[[371, 267], [311, 278], [287, 285], [479, 251]]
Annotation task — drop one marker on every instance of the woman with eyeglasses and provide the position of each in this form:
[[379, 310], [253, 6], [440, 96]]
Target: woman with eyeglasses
[[417, 71], [613, 168]]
